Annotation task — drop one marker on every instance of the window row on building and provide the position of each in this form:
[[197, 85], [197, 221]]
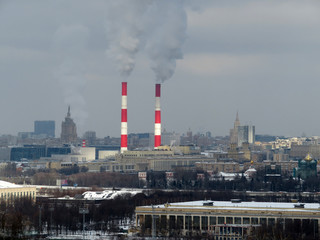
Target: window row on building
[[226, 220], [10, 192]]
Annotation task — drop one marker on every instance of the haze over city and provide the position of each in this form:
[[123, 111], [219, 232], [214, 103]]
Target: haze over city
[[256, 57]]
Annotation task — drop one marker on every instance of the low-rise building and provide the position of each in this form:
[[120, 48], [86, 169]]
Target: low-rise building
[[216, 167], [224, 219], [10, 192]]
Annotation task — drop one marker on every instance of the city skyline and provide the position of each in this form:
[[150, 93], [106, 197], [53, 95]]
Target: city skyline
[[255, 57]]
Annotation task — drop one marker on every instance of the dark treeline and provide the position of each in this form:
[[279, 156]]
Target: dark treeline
[[17, 219], [294, 230], [183, 179]]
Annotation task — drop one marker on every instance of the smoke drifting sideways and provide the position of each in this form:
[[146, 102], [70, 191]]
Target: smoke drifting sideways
[[70, 43], [166, 27], [124, 30], [159, 27]]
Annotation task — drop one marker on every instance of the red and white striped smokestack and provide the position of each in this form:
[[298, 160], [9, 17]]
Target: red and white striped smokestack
[[157, 123], [83, 143], [124, 124]]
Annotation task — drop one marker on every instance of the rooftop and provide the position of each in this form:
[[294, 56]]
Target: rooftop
[[4, 184], [238, 205]]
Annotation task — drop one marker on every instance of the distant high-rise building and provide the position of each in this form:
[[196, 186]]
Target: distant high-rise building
[[68, 129], [187, 139], [234, 130], [246, 134], [44, 128], [170, 138], [90, 137], [25, 135]]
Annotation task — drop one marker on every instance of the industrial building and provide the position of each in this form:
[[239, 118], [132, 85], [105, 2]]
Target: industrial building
[[137, 161], [31, 152], [56, 161], [225, 220]]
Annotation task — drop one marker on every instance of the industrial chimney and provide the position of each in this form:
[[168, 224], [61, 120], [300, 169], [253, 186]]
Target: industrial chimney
[[124, 124], [157, 123]]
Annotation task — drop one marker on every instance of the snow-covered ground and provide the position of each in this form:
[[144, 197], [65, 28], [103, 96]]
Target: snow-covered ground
[[109, 194]]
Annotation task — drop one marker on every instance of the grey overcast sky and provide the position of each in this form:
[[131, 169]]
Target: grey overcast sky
[[260, 58]]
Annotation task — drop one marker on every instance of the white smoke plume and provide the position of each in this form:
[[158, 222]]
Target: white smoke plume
[[166, 26], [70, 43], [125, 32], [160, 25]]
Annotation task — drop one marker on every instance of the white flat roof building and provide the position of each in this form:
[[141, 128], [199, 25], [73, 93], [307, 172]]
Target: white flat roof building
[[224, 219], [10, 192]]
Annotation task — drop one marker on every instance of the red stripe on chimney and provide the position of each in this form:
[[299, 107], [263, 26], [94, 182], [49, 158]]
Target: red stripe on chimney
[[157, 117]]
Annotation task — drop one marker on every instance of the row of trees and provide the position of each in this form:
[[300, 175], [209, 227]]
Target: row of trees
[[188, 179], [183, 179], [306, 230], [17, 219]]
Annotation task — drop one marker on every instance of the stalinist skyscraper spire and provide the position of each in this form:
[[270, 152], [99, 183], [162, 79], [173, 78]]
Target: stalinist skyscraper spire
[[68, 129], [68, 114], [237, 122], [234, 131]]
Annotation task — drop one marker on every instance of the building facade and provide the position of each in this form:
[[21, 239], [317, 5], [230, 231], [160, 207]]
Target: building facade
[[246, 134], [222, 220], [44, 129], [10, 192], [234, 130], [300, 151], [68, 129]]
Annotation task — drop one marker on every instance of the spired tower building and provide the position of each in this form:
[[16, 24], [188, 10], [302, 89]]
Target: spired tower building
[[234, 131], [68, 129]]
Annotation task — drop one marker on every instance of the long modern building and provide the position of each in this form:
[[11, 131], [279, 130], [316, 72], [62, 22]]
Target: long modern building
[[225, 220], [10, 192]]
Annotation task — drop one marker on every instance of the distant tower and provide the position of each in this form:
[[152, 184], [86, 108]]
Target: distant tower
[[246, 134], [124, 120], [234, 131], [157, 122], [68, 129]]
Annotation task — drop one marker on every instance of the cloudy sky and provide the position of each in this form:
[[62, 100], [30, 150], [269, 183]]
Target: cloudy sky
[[260, 58]]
